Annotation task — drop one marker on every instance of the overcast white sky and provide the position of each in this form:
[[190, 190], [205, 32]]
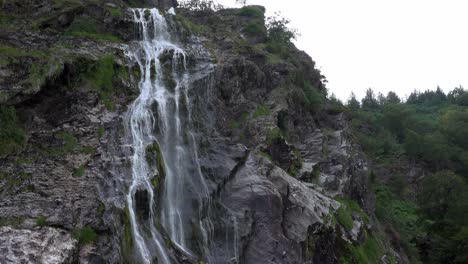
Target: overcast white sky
[[398, 45]]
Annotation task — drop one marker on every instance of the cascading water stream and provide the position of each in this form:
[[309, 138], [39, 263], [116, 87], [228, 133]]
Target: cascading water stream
[[161, 115]]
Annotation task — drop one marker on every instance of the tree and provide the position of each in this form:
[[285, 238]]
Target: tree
[[458, 96], [279, 30], [395, 118], [353, 104], [455, 124], [369, 101], [392, 98], [443, 197]]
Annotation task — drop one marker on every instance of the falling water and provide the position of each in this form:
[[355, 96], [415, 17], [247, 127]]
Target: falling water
[[160, 116]]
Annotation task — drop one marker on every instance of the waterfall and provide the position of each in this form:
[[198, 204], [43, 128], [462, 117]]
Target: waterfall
[[160, 117]]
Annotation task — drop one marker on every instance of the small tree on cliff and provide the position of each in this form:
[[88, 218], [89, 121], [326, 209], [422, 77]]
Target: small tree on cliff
[[279, 34]]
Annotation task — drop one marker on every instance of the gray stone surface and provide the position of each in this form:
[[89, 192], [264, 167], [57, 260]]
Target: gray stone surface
[[40, 245]]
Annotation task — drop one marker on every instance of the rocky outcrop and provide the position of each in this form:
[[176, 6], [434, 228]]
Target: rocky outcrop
[[274, 211]]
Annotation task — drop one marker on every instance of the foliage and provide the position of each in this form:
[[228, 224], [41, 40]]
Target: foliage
[[41, 221], [353, 104], [14, 222], [279, 30], [296, 164], [368, 252], [261, 111], [85, 235], [200, 5], [430, 128], [334, 106], [12, 136], [70, 142], [345, 218], [87, 27], [280, 35], [101, 131], [79, 172], [101, 77], [254, 28], [273, 134], [313, 99], [251, 11]]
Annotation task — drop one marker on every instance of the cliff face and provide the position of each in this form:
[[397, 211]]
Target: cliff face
[[286, 181]]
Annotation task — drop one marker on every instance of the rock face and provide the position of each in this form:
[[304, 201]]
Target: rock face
[[45, 245], [274, 164], [275, 211]]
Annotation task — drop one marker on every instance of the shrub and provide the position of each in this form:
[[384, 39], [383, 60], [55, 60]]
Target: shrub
[[41, 221], [313, 99], [369, 252], [261, 111], [85, 236], [200, 5], [279, 30], [12, 137], [279, 35], [79, 172], [273, 134], [254, 28], [101, 132], [251, 11], [70, 142]]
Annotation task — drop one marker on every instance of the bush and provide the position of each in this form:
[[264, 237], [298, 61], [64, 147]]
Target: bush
[[261, 111], [369, 252], [200, 5], [79, 172], [279, 30], [41, 221], [251, 11], [313, 99], [254, 28], [85, 236], [70, 142]]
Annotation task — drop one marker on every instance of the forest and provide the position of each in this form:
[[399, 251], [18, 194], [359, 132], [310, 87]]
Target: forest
[[428, 130]]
